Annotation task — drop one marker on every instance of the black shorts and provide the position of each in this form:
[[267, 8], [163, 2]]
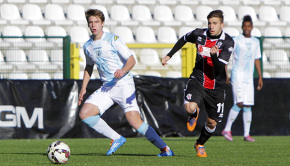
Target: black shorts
[[213, 98]]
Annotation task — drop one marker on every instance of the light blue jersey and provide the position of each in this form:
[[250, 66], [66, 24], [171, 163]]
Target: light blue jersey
[[247, 50], [109, 54]]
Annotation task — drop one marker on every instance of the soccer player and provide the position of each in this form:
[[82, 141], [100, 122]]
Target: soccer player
[[114, 61], [245, 56], [214, 48]]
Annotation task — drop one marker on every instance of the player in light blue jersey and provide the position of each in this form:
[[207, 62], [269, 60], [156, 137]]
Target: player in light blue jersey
[[114, 62], [246, 55]]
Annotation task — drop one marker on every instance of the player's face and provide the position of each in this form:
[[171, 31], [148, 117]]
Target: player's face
[[247, 29], [215, 26], [96, 26]]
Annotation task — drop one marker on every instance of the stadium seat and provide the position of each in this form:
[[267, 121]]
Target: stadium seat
[[185, 14], [184, 30], [278, 57], [125, 2], [57, 76], [252, 2], [138, 65], [142, 14], [152, 73], [210, 2], [108, 20], [4, 44], [249, 10], [269, 14], [231, 31], [256, 32], [272, 2], [145, 35], [121, 14], [174, 74], [18, 76], [10, 12], [189, 2], [231, 2], [60, 1], [40, 58], [202, 12], [16, 1], [76, 13], [230, 16], [164, 14], [3, 65], [104, 1], [15, 31], [125, 34], [79, 35], [56, 57], [266, 75], [36, 31], [149, 57], [54, 31], [33, 13], [273, 32], [147, 2], [282, 74], [40, 76], [55, 13], [38, 1], [82, 1], [287, 34], [285, 13], [18, 59], [166, 35], [167, 2]]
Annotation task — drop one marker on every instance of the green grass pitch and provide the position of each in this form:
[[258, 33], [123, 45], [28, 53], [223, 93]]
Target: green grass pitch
[[267, 150]]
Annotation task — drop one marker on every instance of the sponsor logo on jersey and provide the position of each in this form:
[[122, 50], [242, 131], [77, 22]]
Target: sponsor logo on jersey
[[188, 96], [199, 38], [200, 49], [231, 49], [116, 37], [219, 44]]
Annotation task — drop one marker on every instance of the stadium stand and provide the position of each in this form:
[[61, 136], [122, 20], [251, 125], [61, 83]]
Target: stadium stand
[[135, 21]]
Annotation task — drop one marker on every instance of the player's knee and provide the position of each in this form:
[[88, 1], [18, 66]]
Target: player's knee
[[190, 107], [240, 105], [211, 124], [88, 110]]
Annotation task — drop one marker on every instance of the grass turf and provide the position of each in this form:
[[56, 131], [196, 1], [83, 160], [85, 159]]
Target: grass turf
[[267, 150]]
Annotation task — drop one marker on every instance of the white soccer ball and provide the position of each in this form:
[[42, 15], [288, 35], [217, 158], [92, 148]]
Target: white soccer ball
[[58, 152]]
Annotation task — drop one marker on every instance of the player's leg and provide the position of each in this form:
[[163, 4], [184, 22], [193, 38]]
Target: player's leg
[[192, 111], [247, 111], [192, 96], [238, 98], [247, 119], [206, 132], [143, 128], [234, 112], [90, 113]]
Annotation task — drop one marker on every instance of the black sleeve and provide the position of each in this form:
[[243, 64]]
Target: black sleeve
[[179, 44], [217, 65]]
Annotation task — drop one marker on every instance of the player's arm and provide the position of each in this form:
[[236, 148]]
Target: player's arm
[[218, 66], [128, 66], [258, 68], [179, 44], [87, 75]]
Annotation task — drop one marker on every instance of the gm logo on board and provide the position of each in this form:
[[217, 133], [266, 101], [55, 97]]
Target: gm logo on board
[[11, 116]]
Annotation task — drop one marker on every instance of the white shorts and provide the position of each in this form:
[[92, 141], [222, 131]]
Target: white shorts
[[243, 92], [122, 94]]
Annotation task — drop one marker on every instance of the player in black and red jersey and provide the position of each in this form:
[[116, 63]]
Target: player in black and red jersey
[[207, 81]]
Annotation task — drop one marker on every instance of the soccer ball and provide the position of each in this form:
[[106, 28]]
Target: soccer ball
[[58, 152]]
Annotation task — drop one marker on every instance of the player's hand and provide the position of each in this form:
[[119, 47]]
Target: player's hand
[[164, 60], [81, 95], [260, 84], [119, 73], [214, 50]]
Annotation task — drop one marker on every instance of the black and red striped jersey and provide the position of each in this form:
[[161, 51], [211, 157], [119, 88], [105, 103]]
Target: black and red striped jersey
[[204, 70]]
